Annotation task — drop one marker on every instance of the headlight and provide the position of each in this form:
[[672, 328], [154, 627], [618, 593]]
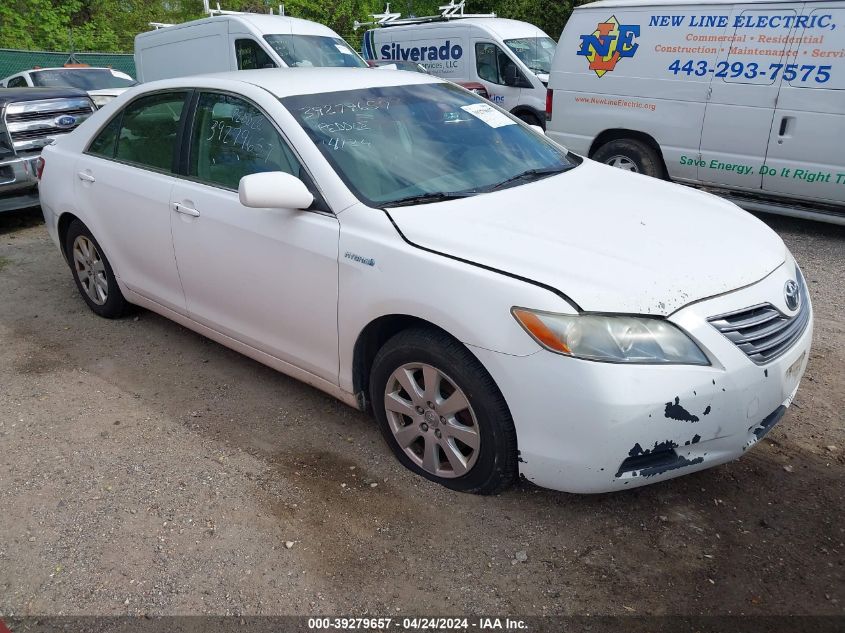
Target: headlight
[[101, 100], [613, 339]]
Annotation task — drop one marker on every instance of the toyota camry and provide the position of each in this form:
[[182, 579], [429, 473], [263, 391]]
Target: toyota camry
[[503, 307]]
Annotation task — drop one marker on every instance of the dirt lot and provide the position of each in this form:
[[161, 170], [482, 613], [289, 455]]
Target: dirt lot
[[146, 470]]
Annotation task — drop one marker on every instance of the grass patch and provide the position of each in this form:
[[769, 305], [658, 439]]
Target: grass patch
[[4, 261]]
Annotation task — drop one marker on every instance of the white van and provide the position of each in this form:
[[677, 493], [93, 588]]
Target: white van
[[511, 59], [745, 98], [239, 42]]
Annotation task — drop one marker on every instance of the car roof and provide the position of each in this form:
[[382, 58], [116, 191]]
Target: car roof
[[284, 82]]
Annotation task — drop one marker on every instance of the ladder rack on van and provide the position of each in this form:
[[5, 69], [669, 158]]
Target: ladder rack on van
[[218, 11], [212, 12], [451, 11]]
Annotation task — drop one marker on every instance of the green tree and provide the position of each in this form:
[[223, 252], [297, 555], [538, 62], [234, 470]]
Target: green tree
[[111, 25]]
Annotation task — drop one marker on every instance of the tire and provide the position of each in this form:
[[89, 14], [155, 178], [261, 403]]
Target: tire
[[99, 290], [474, 450], [530, 119], [631, 155]]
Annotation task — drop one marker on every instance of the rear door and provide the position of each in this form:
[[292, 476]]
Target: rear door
[[746, 79], [805, 157], [124, 182]]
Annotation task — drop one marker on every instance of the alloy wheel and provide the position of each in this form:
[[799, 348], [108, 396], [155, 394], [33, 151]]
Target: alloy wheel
[[622, 162], [90, 269], [432, 420]]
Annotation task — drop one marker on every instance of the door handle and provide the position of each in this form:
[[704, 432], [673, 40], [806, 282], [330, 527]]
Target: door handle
[[181, 208], [784, 123], [86, 177]]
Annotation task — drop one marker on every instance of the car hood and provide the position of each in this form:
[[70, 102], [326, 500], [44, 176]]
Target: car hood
[[612, 241]]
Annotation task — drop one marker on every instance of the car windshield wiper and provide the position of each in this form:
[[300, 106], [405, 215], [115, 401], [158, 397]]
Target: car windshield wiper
[[423, 198], [531, 174]]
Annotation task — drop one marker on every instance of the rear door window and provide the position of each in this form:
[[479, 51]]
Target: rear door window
[[149, 130]]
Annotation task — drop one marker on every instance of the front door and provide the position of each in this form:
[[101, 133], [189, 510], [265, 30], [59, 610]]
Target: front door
[[265, 277], [491, 64]]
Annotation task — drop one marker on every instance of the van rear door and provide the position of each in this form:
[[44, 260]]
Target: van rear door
[[746, 79], [805, 157]]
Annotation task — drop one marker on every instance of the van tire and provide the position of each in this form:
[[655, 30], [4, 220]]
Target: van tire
[[632, 155], [529, 118]]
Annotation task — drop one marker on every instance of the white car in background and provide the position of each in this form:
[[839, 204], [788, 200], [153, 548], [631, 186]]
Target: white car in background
[[503, 306], [101, 84]]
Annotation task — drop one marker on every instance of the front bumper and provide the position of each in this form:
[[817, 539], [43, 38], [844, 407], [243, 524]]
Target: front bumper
[[18, 184], [587, 427]]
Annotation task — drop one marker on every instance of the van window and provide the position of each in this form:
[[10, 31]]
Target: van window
[[314, 50], [149, 129], [534, 52], [231, 139], [250, 55], [491, 63], [819, 64]]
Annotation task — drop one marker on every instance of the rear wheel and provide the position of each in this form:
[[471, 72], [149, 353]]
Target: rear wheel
[[92, 273], [442, 414], [631, 155]]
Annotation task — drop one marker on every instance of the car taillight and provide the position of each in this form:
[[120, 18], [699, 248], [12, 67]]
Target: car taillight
[[39, 167], [550, 98]]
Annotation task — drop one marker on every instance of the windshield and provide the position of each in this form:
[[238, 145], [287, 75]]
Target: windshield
[[314, 50], [84, 79], [534, 52], [391, 145]]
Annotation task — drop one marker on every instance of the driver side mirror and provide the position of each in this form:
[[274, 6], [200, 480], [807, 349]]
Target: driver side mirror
[[274, 190], [514, 78]]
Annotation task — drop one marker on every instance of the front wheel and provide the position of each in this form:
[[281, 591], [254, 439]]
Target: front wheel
[[442, 414], [631, 155], [530, 119]]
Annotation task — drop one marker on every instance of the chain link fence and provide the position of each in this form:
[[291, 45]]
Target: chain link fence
[[14, 61]]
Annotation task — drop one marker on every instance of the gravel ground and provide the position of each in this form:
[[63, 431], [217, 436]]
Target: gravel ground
[[146, 470]]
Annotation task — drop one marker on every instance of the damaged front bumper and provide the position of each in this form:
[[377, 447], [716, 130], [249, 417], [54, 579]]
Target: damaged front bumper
[[590, 427]]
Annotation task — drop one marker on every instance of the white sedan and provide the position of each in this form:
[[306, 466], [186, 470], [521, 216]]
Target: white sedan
[[503, 306]]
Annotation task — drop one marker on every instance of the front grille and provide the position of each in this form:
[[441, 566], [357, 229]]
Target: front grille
[[33, 124], [48, 114], [763, 332]]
